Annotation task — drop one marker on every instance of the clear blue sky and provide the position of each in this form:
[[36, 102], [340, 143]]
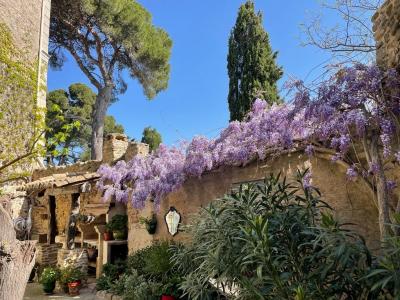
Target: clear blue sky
[[196, 99]]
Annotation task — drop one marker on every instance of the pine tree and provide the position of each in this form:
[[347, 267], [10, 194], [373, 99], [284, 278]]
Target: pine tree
[[108, 39], [252, 69]]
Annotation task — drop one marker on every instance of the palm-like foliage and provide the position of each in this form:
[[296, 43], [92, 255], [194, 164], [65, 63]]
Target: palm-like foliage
[[274, 240]]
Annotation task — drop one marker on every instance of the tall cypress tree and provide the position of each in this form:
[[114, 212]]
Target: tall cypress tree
[[252, 69]]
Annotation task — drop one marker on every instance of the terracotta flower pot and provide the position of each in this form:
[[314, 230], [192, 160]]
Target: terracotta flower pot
[[167, 297], [73, 288], [107, 236]]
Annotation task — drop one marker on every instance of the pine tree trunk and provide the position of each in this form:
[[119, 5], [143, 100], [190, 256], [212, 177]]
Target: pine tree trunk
[[382, 193], [103, 99], [17, 259]]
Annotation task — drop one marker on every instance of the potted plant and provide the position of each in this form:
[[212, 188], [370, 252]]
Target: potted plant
[[118, 226], [150, 223], [107, 235], [92, 252], [71, 279], [48, 279], [170, 290]]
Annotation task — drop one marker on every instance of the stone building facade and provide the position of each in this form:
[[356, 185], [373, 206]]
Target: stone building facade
[[386, 27], [57, 193], [23, 93], [29, 22]]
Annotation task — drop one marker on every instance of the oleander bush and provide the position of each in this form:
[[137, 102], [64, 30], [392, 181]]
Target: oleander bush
[[273, 240]]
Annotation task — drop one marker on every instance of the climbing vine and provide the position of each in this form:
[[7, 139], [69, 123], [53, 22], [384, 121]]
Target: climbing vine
[[21, 120]]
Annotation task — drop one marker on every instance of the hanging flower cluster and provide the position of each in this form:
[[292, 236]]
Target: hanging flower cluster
[[348, 106], [352, 106]]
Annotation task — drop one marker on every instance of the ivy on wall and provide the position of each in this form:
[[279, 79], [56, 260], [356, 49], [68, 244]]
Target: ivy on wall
[[21, 120]]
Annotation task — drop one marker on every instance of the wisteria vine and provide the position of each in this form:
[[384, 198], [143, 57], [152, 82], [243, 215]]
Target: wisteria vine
[[348, 106]]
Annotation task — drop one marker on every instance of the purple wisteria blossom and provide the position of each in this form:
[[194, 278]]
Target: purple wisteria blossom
[[340, 112], [351, 173]]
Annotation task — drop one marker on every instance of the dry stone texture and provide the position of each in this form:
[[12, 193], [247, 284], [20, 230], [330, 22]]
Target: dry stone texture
[[387, 34]]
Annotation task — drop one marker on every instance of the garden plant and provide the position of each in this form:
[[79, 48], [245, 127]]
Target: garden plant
[[273, 240]]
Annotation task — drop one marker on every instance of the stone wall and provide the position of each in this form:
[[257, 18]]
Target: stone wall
[[40, 219], [353, 201], [47, 254], [114, 147], [134, 149], [75, 257], [386, 27], [63, 207], [28, 22], [24, 18]]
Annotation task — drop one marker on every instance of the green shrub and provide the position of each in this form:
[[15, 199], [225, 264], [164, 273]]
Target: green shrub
[[136, 261], [110, 274], [117, 223], [385, 276], [70, 274], [273, 240], [154, 264], [136, 287], [157, 261], [49, 275]]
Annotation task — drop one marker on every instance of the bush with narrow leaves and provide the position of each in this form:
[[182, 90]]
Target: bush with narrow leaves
[[273, 240]]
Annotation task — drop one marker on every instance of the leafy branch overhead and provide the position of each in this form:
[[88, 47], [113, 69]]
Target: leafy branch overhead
[[105, 38]]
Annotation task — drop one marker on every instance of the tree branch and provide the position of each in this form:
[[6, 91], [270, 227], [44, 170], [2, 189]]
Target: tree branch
[[85, 70]]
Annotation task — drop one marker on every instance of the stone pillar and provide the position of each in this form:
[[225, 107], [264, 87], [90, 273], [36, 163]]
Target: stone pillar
[[114, 147], [100, 229], [134, 149]]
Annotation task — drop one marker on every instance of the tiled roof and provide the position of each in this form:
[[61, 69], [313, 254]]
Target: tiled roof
[[58, 180]]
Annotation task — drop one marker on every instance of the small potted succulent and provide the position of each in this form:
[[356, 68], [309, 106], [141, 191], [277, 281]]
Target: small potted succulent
[[48, 279], [118, 226], [150, 223]]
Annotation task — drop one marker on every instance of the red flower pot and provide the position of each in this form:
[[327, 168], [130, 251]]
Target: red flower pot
[[167, 297], [107, 236], [73, 288]]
